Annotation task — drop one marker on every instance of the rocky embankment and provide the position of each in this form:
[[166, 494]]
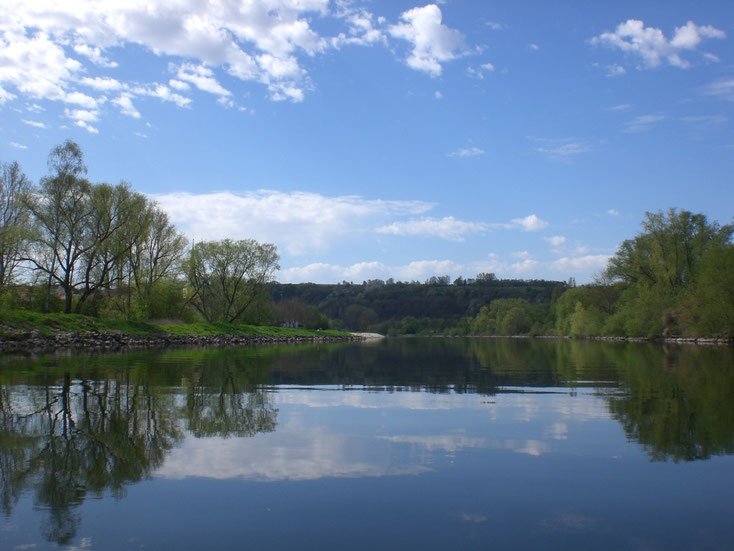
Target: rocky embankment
[[35, 342]]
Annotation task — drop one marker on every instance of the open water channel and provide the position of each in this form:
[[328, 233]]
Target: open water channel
[[399, 444]]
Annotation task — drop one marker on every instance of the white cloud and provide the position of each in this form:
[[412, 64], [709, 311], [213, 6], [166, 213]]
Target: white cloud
[[479, 73], [125, 103], [432, 42], [530, 223], [5, 95], [555, 240], [533, 47], [82, 115], [651, 45], [86, 126], [643, 123], [202, 77], [438, 95], [94, 55], [448, 228], [35, 124], [17, 145], [78, 98], [178, 85], [295, 221], [467, 152], [587, 263], [363, 27], [613, 212], [615, 70], [620, 107], [162, 92], [104, 84], [418, 270]]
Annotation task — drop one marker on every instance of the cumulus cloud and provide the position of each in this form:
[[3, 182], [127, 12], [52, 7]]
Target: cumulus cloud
[[363, 27], [446, 228], [296, 221], [432, 42], [650, 45], [587, 263], [530, 223], [555, 240]]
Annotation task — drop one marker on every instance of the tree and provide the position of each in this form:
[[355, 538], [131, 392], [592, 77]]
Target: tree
[[117, 221], [157, 254], [667, 252], [61, 208], [659, 268], [225, 277], [14, 220]]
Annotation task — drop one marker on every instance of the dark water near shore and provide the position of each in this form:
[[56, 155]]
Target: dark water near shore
[[399, 444]]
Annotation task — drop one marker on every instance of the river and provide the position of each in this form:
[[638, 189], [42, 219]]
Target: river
[[395, 444]]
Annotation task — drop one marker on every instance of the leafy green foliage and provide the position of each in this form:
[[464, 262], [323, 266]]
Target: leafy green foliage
[[226, 277]]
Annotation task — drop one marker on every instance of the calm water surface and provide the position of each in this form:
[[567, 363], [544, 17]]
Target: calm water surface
[[402, 444]]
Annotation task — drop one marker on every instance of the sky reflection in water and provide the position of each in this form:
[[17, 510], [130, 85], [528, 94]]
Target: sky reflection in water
[[468, 444]]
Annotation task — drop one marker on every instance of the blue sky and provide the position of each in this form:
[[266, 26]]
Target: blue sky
[[378, 139]]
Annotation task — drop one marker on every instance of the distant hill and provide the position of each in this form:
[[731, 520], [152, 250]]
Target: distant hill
[[359, 306]]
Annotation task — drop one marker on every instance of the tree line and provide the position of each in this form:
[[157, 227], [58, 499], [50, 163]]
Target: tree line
[[111, 251]]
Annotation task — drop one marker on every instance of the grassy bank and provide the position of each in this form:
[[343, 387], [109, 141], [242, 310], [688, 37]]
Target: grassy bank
[[16, 324]]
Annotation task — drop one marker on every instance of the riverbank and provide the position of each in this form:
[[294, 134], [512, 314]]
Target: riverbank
[[702, 341], [32, 332]]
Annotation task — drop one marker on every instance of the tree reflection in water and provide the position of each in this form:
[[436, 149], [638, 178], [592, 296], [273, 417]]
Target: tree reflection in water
[[86, 426]]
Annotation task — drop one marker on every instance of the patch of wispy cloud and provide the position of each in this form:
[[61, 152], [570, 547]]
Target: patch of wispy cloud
[[613, 212], [481, 71], [643, 123], [650, 45], [722, 88], [615, 70], [562, 149], [17, 145], [705, 120], [467, 152], [619, 107], [35, 124]]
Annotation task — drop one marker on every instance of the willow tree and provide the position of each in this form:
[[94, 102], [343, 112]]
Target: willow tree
[[14, 220], [226, 277]]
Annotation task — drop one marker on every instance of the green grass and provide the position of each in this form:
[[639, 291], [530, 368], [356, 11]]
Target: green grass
[[16, 322]]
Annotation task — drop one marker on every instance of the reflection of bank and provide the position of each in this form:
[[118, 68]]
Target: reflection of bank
[[69, 438], [679, 407]]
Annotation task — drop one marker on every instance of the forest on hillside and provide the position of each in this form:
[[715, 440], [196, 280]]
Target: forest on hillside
[[70, 245]]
